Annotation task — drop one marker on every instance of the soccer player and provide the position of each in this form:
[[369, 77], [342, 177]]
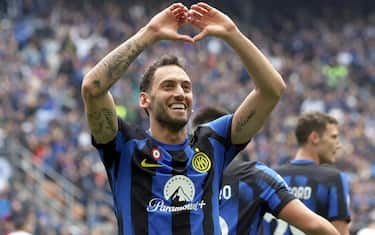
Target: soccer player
[[312, 179], [162, 183], [251, 189]]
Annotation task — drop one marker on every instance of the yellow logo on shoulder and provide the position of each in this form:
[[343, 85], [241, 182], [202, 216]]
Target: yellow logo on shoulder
[[146, 164], [201, 162]]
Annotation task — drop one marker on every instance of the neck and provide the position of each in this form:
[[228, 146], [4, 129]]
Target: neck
[[167, 136], [306, 153]]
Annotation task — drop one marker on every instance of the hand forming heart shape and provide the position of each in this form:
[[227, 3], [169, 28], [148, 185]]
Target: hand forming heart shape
[[209, 20]]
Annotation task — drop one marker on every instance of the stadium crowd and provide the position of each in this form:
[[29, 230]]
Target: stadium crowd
[[324, 51]]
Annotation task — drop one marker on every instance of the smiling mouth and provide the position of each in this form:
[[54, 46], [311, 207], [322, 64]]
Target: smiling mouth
[[178, 107]]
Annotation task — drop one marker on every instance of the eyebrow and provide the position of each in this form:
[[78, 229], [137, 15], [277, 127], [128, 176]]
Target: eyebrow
[[176, 81]]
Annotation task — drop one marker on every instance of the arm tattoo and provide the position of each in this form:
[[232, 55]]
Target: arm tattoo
[[120, 60], [101, 122], [114, 65], [242, 122], [96, 83]]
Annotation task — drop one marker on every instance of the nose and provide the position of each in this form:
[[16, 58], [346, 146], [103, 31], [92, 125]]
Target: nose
[[179, 93]]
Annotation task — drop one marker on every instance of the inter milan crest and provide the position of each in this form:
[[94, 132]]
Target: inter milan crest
[[201, 162]]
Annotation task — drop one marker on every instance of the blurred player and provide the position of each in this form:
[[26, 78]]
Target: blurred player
[[317, 184], [250, 189], [161, 182]]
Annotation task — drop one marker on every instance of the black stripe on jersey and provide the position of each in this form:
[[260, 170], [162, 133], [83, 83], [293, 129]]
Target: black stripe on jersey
[[111, 161], [141, 188], [318, 176], [247, 215], [180, 220], [312, 175], [179, 162], [120, 223], [243, 226], [208, 132], [320, 200], [251, 213], [341, 210], [204, 132]]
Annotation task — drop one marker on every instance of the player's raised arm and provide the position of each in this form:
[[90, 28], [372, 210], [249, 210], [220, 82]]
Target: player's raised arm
[[311, 224], [98, 102], [255, 109]]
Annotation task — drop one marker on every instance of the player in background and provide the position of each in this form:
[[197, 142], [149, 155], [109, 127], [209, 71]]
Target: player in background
[[162, 183], [311, 176], [250, 189]]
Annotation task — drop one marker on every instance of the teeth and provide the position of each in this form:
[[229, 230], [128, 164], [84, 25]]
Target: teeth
[[178, 106]]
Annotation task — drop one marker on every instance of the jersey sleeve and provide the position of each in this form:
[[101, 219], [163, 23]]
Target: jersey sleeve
[[110, 152], [275, 192], [339, 199], [222, 127]]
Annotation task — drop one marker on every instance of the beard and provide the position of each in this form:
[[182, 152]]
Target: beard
[[328, 159], [163, 117]]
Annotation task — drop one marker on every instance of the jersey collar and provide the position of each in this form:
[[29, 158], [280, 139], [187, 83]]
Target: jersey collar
[[302, 162], [169, 147]]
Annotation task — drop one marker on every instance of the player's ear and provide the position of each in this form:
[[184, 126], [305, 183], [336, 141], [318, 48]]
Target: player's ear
[[144, 100], [314, 137]]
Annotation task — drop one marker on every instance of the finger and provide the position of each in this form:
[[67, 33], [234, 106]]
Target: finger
[[199, 9], [195, 14], [185, 38], [182, 19], [204, 5], [180, 14], [179, 10], [176, 5], [196, 22], [200, 36]]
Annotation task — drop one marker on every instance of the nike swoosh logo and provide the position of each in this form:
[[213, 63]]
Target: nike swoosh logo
[[145, 164]]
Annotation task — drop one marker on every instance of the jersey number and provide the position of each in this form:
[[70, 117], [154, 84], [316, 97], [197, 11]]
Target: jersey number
[[282, 226], [302, 192], [225, 192]]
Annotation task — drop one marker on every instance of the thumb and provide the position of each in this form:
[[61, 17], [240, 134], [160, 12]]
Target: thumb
[[200, 36], [185, 38]]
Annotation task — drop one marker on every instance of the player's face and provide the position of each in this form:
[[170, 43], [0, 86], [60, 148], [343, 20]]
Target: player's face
[[329, 144], [171, 97]]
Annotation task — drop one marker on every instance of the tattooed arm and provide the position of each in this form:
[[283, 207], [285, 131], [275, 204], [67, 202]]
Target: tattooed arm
[[255, 109], [269, 86], [99, 104]]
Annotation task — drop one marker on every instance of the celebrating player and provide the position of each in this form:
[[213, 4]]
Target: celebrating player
[[161, 182]]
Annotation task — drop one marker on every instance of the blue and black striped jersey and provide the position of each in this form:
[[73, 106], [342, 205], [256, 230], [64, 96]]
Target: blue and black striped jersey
[[249, 190], [168, 189], [322, 188]]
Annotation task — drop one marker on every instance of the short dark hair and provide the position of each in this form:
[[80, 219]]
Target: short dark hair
[[312, 121], [207, 114], [148, 77]]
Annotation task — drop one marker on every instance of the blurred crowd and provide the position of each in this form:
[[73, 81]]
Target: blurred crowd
[[325, 52]]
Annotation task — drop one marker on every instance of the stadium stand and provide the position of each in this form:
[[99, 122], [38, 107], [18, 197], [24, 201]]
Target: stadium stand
[[51, 178]]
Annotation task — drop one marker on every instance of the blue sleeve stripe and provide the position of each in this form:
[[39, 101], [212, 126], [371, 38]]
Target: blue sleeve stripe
[[271, 183], [301, 180], [221, 125], [345, 204], [274, 202], [333, 203], [345, 187], [268, 171]]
